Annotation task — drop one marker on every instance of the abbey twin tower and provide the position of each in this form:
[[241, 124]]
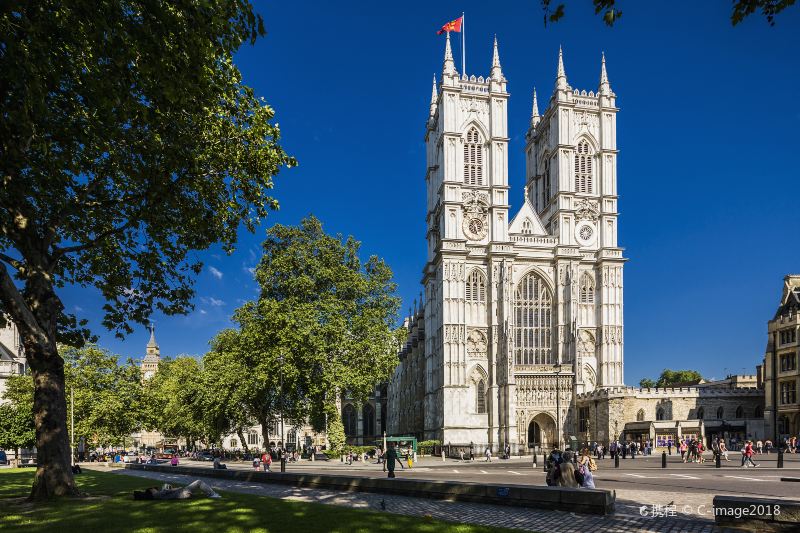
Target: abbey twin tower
[[522, 312]]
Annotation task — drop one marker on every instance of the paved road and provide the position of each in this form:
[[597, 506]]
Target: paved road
[[642, 481]]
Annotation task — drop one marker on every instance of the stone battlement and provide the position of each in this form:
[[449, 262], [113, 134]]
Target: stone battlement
[[639, 392]]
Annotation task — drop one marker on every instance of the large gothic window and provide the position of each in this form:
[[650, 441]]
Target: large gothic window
[[587, 289], [476, 287], [349, 419], [583, 168], [473, 158], [368, 420], [480, 397], [533, 307]]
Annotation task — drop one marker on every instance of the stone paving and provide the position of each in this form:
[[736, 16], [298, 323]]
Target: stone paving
[[626, 520]]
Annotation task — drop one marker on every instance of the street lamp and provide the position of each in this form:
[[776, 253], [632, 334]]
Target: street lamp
[[558, 405], [280, 399]]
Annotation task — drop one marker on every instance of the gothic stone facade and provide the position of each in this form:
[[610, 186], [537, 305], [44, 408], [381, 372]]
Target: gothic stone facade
[[521, 314], [704, 411]]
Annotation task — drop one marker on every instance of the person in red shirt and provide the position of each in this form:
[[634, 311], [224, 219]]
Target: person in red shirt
[[748, 454]]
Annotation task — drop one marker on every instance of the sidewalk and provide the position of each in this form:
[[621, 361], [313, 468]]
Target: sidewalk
[[472, 513]]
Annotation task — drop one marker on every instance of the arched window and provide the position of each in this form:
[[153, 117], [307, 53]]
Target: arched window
[[291, 437], [368, 420], [739, 412], [349, 420], [473, 158], [480, 397], [476, 287], [660, 414], [759, 412], [720, 413], [583, 168], [701, 413], [252, 438], [587, 289], [527, 227], [640, 415], [533, 307]]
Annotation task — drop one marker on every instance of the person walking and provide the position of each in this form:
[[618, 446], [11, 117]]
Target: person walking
[[266, 461], [488, 454], [759, 447], [747, 454], [723, 450], [669, 447], [391, 457], [586, 467]]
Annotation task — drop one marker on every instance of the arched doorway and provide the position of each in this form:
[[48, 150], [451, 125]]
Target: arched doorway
[[541, 432]]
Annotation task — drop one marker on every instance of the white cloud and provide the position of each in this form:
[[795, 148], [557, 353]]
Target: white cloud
[[77, 308], [202, 311], [215, 272]]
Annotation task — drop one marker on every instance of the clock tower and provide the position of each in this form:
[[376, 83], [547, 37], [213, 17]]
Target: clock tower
[[152, 357]]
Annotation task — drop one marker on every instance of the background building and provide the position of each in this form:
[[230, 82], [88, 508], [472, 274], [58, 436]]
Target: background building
[[781, 376], [12, 355]]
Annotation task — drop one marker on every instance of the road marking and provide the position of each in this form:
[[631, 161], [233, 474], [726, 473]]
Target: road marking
[[455, 471], [685, 476], [517, 473], [747, 478], [484, 472], [636, 475]]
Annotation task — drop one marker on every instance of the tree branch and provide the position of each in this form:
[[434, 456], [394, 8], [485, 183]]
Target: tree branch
[[11, 261], [14, 304], [58, 252]]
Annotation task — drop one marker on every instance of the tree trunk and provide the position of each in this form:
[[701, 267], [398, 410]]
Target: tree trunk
[[54, 467], [244, 442]]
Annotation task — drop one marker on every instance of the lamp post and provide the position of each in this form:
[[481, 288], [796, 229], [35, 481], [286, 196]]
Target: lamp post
[[280, 399], [558, 406]]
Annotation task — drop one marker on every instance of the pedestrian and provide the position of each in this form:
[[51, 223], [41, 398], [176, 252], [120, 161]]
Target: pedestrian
[[768, 445], [461, 454], [723, 450], [747, 454], [759, 447], [586, 467], [566, 475], [488, 454], [174, 461], [391, 457], [669, 447], [266, 461], [255, 462]]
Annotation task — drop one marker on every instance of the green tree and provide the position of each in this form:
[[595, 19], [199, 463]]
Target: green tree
[[323, 324], [127, 140], [106, 395], [17, 428], [173, 398], [669, 378], [610, 14]]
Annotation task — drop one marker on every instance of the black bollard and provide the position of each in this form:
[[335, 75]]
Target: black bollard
[[780, 458], [283, 464], [616, 460], [717, 459], [544, 461], [663, 459], [534, 460]]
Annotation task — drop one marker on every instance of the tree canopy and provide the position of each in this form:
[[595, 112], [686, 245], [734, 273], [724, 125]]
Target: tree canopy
[[610, 13], [127, 140], [323, 324], [670, 378]]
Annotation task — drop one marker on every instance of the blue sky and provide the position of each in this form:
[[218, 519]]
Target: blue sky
[[708, 171]]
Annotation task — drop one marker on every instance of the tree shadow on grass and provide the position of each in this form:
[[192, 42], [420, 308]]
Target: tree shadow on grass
[[109, 506]]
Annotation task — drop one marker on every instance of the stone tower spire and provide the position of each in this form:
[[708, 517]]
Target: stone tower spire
[[152, 356], [561, 75], [535, 118], [434, 97], [449, 67], [152, 343], [605, 87], [497, 71]]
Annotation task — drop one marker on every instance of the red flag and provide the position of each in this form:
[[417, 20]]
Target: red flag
[[453, 25]]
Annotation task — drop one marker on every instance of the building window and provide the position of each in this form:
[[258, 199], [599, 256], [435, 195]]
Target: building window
[[660, 414], [788, 392], [480, 397], [583, 168], [583, 419], [349, 420], [533, 307], [720, 413], [788, 336], [546, 184], [640, 415], [739, 412], [234, 443], [587, 289], [473, 158], [527, 227], [783, 425], [476, 287], [759, 412], [368, 420], [252, 438], [788, 362], [701, 413]]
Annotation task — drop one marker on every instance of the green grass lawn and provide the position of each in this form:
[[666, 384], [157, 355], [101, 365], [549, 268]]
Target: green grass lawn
[[109, 506]]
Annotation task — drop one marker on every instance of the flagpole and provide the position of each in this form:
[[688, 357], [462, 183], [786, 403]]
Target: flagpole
[[463, 43]]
